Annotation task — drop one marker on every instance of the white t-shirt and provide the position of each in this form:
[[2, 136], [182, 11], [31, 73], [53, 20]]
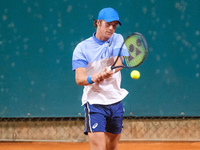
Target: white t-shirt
[[94, 55]]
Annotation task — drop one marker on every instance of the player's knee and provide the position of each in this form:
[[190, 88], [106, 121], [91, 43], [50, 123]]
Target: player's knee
[[97, 141]]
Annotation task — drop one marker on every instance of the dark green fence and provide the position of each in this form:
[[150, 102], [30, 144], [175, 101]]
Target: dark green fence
[[37, 39]]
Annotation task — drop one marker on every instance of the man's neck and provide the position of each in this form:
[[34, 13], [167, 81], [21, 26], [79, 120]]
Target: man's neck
[[99, 36]]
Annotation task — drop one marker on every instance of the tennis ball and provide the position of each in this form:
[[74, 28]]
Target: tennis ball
[[135, 74]]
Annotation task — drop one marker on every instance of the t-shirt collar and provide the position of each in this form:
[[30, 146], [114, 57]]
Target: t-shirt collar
[[100, 41]]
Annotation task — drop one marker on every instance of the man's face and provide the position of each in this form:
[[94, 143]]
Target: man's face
[[106, 29]]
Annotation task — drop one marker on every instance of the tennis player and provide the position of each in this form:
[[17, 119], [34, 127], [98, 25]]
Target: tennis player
[[102, 93]]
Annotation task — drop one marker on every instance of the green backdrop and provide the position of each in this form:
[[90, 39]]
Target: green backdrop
[[37, 39]]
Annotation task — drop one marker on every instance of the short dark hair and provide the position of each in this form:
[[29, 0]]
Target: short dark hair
[[95, 23]]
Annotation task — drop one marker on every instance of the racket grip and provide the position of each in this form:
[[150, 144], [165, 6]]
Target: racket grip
[[110, 68]]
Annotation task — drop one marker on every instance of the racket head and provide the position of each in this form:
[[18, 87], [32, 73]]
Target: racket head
[[137, 48]]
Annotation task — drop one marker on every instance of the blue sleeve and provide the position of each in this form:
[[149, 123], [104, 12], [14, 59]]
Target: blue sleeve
[[78, 64], [118, 43], [78, 59]]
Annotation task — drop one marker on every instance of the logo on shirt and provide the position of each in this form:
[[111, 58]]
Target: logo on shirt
[[95, 125]]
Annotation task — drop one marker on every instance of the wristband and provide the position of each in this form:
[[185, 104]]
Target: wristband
[[89, 79]]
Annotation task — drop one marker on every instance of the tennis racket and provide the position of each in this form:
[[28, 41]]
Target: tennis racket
[[132, 52]]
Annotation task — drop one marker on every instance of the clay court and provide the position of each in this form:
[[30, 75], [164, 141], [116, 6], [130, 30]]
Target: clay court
[[85, 146], [40, 102]]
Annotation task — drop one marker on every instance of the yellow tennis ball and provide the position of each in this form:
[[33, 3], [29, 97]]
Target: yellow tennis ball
[[135, 74]]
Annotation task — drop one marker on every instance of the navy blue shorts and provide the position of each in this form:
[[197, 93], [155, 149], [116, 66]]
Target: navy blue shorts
[[104, 118]]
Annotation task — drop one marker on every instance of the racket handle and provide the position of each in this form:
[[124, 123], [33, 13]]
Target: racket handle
[[110, 68]]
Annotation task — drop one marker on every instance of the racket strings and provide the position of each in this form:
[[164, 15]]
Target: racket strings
[[136, 49]]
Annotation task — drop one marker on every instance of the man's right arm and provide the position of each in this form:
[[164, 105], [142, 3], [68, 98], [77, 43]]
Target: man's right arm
[[81, 77]]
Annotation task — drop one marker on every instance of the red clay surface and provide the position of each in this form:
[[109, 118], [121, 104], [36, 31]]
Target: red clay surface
[[85, 146]]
